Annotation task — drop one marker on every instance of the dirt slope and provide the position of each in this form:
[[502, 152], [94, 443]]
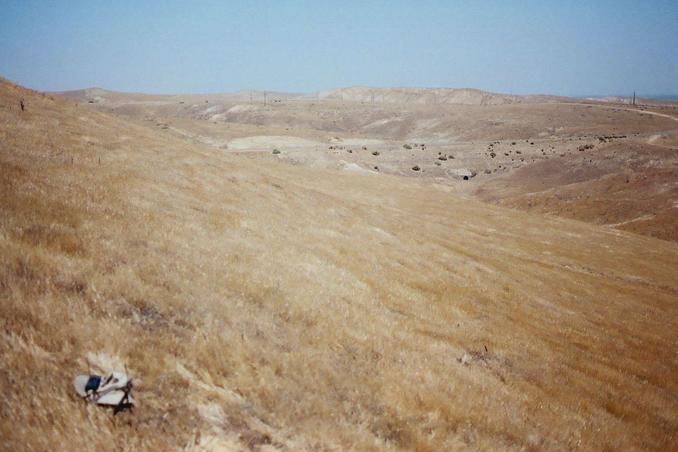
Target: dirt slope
[[629, 186], [259, 304]]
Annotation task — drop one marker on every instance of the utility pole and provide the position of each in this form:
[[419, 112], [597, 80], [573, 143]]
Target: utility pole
[[634, 98], [264, 97]]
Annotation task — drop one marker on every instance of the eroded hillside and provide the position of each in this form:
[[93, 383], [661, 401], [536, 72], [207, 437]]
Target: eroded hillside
[[560, 156], [630, 186], [262, 304]]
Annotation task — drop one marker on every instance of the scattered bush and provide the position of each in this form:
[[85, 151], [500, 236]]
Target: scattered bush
[[407, 146], [416, 168], [276, 152]]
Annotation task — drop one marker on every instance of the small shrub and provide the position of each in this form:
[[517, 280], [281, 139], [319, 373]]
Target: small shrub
[[407, 146], [276, 152], [416, 168]]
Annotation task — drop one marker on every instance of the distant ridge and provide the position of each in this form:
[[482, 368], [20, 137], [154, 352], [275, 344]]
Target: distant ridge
[[463, 96], [95, 94], [460, 96], [640, 99]]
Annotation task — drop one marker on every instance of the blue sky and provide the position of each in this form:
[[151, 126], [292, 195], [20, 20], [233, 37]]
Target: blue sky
[[555, 47]]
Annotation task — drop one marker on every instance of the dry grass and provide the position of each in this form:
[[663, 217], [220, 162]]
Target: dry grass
[[629, 186], [261, 305], [600, 162]]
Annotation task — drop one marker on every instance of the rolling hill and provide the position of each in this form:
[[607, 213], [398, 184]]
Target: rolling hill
[[457, 96], [259, 304]]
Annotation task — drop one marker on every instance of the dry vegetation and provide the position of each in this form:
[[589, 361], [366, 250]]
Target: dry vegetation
[[629, 186], [560, 156], [263, 305]]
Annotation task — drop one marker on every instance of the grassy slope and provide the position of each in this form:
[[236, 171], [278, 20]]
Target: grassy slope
[[261, 303]]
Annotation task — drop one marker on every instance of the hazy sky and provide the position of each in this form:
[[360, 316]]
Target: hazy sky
[[556, 47]]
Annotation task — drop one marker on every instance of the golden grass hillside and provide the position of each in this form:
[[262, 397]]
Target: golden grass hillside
[[264, 306]]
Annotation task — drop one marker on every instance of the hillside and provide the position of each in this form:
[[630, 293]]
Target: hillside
[[96, 95], [108, 97], [423, 96], [600, 162], [628, 185], [459, 96], [260, 304]]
